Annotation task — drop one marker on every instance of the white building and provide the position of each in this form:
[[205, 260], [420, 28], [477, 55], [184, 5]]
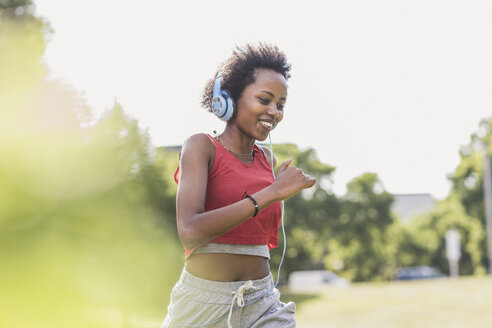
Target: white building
[[406, 206]]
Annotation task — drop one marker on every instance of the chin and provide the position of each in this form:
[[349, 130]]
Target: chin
[[262, 138]]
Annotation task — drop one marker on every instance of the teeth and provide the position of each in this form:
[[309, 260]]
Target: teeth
[[267, 124]]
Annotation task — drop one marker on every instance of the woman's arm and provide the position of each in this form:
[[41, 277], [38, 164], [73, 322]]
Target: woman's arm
[[197, 227]]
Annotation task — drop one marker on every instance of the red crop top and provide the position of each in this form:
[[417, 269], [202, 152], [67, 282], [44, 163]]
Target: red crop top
[[228, 181]]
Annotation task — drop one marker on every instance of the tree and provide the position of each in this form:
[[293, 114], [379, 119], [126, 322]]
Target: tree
[[85, 221], [357, 248], [422, 241], [307, 215], [467, 181]]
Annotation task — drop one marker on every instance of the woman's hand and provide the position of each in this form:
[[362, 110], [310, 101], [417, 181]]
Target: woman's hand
[[290, 180]]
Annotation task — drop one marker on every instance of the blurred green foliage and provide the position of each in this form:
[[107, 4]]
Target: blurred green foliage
[[344, 234], [422, 240], [87, 227], [359, 237]]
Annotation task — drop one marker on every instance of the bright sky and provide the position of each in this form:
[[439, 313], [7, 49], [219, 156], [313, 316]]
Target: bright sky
[[391, 87]]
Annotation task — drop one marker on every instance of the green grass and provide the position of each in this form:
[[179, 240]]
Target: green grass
[[463, 302]]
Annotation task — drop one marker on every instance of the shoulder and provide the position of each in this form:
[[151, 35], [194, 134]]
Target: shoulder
[[198, 147], [268, 155], [199, 140]]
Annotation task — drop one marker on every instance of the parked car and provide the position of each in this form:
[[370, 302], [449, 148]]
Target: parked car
[[315, 279], [418, 272]]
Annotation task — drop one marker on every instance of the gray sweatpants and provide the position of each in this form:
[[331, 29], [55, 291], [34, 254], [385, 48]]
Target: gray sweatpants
[[197, 302]]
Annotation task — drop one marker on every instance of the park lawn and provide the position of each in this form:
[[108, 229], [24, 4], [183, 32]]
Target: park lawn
[[462, 302]]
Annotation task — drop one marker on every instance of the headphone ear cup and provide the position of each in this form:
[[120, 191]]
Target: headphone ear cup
[[222, 104], [219, 106], [230, 110]]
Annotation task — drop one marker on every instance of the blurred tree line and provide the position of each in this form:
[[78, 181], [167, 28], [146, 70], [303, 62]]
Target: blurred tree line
[[87, 215], [359, 237]]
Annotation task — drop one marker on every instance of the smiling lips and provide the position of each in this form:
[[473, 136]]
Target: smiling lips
[[266, 124]]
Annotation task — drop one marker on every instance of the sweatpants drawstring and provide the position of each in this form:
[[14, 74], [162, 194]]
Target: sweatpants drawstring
[[239, 296]]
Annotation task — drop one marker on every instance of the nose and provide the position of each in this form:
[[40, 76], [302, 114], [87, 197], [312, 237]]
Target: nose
[[273, 111]]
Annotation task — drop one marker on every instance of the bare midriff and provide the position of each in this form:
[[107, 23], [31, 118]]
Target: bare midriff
[[227, 267]]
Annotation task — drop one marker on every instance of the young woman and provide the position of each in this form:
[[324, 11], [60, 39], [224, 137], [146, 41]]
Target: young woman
[[228, 201]]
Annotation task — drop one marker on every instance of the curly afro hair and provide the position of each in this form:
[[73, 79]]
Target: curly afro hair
[[239, 70]]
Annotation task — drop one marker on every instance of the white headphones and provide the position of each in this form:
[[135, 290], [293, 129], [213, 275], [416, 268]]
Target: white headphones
[[222, 103]]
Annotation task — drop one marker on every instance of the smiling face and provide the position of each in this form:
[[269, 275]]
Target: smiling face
[[261, 105]]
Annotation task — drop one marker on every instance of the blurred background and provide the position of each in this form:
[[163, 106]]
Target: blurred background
[[87, 197]]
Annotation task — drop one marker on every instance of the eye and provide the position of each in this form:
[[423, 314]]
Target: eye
[[280, 107], [264, 101]]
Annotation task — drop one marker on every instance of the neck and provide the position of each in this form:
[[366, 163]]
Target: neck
[[237, 140]]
